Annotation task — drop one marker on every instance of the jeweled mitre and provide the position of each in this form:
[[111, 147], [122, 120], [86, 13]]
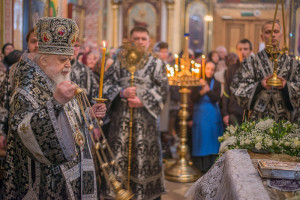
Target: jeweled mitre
[[56, 35]]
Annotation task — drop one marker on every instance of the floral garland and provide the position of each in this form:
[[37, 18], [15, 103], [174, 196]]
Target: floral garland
[[266, 134]]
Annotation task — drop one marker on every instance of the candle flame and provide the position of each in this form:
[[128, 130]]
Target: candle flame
[[176, 56], [103, 44], [192, 61], [203, 56]]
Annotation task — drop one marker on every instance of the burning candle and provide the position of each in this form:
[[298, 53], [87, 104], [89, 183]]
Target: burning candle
[[176, 59], [198, 70], [176, 70], [102, 71], [193, 67], [203, 67]]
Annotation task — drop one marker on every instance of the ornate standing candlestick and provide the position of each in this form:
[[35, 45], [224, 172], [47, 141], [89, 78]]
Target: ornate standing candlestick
[[182, 171]]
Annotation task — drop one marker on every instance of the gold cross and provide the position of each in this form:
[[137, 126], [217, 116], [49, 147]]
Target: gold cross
[[24, 128]]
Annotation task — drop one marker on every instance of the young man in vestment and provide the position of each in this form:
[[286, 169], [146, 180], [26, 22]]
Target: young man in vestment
[[48, 147], [250, 87], [147, 98], [232, 112]]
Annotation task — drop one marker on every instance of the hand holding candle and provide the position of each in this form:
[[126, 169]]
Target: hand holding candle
[[102, 71]]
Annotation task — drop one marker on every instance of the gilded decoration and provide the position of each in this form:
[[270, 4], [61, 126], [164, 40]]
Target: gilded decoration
[[146, 13]]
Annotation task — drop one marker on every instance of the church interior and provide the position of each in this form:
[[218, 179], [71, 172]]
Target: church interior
[[210, 23], [193, 31]]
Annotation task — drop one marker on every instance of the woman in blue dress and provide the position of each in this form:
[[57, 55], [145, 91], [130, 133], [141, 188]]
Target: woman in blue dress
[[207, 121]]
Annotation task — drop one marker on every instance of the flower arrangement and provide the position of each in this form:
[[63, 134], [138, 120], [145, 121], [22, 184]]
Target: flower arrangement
[[266, 134]]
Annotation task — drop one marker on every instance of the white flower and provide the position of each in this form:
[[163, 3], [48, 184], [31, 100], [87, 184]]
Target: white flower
[[275, 142], [295, 143], [242, 142], [224, 145], [231, 129], [247, 141], [295, 126], [258, 139], [286, 124], [266, 140], [270, 143], [287, 144], [258, 146], [264, 125], [226, 136]]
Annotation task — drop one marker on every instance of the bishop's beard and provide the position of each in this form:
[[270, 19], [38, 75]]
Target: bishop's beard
[[60, 77]]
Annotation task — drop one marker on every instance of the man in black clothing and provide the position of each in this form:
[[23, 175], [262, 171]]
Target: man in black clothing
[[232, 113]]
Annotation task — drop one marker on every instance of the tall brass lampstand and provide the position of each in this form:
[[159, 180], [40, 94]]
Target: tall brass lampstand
[[182, 170]]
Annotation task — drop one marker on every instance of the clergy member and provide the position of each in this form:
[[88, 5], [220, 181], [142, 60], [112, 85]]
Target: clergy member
[[147, 98], [250, 82], [48, 153]]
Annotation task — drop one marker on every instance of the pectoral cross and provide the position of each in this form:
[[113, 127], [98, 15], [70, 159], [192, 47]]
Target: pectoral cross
[[24, 128]]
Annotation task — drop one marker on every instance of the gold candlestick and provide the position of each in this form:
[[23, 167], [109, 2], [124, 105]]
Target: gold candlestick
[[203, 67], [100, 99], [183, 171], [102, 71]]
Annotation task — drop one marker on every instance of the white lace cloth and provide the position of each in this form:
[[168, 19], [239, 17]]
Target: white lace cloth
[[231, 177]]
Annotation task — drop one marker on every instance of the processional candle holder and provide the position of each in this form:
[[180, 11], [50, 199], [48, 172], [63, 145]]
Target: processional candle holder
[[274, 51], [103, 151], [182, 170], [132, 58]]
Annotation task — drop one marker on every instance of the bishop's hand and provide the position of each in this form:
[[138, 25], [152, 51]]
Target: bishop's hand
[[64, 92]]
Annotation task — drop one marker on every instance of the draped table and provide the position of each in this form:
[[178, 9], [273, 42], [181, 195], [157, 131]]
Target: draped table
[[234, 177]]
